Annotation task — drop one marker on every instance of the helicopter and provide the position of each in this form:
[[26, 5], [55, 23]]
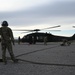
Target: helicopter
[[36, 36]]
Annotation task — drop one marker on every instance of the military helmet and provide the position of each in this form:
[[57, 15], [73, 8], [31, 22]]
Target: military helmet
[[4, 23]]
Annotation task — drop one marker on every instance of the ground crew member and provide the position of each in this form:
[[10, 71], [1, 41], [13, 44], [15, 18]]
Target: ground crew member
[[45, 40], [6, 41], [66, 42], [19, 40]]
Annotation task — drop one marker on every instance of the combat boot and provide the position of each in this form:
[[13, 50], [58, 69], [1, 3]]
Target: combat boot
[[5, 62], [16, 61]]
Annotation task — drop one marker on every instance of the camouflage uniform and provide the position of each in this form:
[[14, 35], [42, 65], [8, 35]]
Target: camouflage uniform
[[6, 39], [45, 40]]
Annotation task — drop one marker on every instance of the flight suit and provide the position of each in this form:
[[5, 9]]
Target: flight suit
[[6, 42]]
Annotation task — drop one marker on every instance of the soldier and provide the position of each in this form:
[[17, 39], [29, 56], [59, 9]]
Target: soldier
[[19, 40], [6, 41], [66, 42], [45, 40]]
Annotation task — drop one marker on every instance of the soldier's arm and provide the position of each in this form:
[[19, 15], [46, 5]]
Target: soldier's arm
[[0, 31], [12, 37]]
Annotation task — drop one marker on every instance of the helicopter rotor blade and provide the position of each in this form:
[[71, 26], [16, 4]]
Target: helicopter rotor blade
[[53, 30], [35, 29], [46, 30], [51, 27], [27, 32], [21, 30], [73, 26]]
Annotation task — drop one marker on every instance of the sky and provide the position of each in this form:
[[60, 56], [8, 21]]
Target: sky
[[38, 14]]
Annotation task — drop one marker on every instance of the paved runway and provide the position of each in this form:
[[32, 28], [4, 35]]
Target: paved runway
[[40, 59]]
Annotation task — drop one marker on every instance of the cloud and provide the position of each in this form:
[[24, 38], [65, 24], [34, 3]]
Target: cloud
[[56, 9], [57, 12], [13, 5]]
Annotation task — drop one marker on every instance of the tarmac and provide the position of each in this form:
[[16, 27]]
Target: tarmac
[[40, 59]]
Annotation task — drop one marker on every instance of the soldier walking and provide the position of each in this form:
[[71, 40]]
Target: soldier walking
[[6, 41]]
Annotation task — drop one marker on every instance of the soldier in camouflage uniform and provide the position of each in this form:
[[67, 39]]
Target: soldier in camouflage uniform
[[6, 41], [45, 40]]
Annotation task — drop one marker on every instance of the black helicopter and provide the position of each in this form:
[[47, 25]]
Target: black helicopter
[[36, 36]]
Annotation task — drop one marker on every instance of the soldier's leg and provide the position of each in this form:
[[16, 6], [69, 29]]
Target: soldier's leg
[[4, 54], [11, 53]]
